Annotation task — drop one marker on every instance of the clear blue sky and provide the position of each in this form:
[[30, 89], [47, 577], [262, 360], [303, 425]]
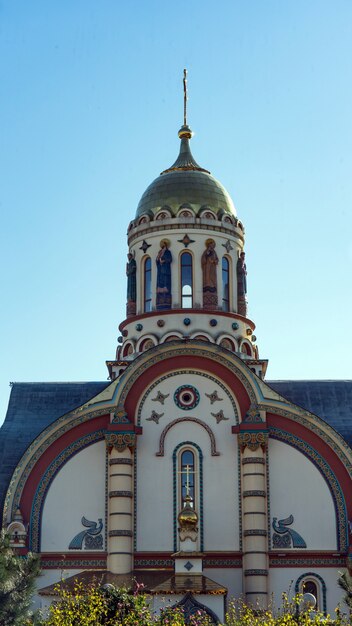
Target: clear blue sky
[[90, 105]]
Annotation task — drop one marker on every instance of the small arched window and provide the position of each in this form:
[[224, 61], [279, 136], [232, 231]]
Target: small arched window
[[188, 477], [313, 583], [225, 284], [186, 281], [147, 295], [187, 471]]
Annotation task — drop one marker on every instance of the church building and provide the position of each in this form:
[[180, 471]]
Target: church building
[[187, 472]]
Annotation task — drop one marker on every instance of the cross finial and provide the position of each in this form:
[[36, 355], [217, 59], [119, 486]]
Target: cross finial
[[185, 97], [187, 479]]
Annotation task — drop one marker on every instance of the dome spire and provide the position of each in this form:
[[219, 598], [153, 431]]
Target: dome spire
[[185, 97], [185, 160]]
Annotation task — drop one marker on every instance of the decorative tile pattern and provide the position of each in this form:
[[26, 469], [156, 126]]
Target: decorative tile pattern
[[188, 566], [73, 563]]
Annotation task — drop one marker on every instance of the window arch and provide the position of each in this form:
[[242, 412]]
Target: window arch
[[188, 453], [225, 274], [246, 349], [147, 285], [186, 264], [315, 584]]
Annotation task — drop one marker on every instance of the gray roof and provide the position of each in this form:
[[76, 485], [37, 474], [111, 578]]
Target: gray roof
[[33, 406], [329, 399]]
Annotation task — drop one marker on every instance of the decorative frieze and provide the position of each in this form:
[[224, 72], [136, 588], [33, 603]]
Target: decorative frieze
[[120, 494], [122, 461], [253, 459], [256, 572], [255, 532]]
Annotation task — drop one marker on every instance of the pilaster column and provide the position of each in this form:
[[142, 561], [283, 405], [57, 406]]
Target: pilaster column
[[120, 501], [253, 443]]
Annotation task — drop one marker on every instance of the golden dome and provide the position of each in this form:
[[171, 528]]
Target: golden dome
[[188, 518]]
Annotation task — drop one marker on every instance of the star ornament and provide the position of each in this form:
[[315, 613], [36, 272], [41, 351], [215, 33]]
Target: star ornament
[[186, 240]]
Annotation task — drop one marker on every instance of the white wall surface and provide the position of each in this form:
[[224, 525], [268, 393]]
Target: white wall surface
[[155, 474], [229, 578], [297, 487], [77, 490]]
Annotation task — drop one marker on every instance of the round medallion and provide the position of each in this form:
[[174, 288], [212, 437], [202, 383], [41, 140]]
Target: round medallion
[[186, 397]]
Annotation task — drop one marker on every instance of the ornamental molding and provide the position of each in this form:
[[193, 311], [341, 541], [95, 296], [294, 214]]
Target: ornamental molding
[[33, 453], [253, 460], [317, 425], [181, 420], [328, 475], [253, 440], [46, 480], [64, 564], [142, 230], [172, 349], [256, 572], [120, 441]]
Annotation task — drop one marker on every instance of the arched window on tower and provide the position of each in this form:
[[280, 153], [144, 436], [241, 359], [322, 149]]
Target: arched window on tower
[[147, 285], [225, 284], [186, 281]]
